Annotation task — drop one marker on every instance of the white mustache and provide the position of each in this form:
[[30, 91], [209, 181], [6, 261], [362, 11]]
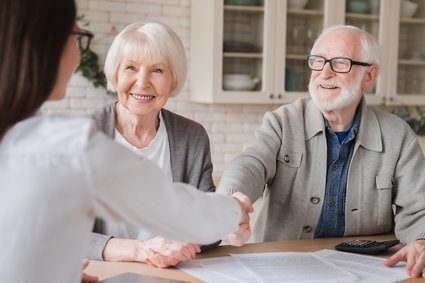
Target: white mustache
[[330, 82]]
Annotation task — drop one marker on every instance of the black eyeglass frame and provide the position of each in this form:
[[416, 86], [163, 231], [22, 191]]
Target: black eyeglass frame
[[352, 62], [83, 33]]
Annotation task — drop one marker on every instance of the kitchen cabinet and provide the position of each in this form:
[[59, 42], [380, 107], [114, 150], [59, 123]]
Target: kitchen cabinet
[[254, 51], [407, 73]]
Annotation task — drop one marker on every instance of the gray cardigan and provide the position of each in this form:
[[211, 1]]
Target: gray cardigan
[[288, 161], [189, 153]]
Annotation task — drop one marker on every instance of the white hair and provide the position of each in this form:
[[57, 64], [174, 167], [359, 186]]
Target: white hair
[[147, 42], [370, 50]]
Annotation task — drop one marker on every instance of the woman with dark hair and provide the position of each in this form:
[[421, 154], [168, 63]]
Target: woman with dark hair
[[58, 173]]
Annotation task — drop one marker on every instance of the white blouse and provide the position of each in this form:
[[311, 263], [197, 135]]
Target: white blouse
[[158, 151], [57, 174]]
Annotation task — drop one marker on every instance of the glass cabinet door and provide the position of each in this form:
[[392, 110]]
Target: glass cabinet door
[[411, 52], [364, 14], [243, 41], [303, 24]]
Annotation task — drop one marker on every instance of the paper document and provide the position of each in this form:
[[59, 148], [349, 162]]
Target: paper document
[[296, 267], [367, 268], [197, 269], [293, 267], [230, 268]]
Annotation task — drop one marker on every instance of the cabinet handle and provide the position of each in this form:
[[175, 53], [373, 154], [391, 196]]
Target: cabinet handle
[[279, 96], [271, 96]]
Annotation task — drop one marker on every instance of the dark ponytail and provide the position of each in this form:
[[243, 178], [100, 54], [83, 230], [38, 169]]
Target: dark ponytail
[[33, 34]]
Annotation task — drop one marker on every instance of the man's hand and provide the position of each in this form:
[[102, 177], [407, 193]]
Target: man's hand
[[158, 251], [414, 255], [85, 278], [243, 233]]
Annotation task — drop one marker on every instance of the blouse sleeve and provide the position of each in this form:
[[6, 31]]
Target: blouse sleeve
[[126, 188]]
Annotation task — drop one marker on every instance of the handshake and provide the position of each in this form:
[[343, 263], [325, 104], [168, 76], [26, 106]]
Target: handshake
[[243, 233]]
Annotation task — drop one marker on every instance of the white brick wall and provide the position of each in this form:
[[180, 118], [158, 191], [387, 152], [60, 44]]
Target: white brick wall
[[230, 127]]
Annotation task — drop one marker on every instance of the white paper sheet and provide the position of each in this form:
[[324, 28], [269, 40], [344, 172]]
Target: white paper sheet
[[293, 267], [367, 268], [229, 267], [195, 269], [321, 266]]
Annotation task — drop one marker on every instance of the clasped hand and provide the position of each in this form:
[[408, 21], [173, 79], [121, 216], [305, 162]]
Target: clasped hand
[[414, 255], [243, 233], [160, 252]]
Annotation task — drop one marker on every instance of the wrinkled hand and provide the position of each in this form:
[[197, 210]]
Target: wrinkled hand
[[85, 278], [160, 252], [414, 255], [243, 233]]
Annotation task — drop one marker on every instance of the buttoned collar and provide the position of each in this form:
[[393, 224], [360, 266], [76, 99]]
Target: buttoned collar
[[352, 130], [369, 135], [313, 123]]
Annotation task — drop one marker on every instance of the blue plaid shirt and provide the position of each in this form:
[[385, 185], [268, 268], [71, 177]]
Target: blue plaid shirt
[[340, 152]]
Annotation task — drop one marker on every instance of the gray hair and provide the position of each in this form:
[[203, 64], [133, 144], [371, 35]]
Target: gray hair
[[370, 52], [147, 42]]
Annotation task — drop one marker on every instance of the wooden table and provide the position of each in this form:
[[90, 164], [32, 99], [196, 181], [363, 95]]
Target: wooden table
[[104, 269]]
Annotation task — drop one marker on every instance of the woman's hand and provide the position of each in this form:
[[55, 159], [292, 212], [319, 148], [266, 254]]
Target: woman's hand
[[158, 251], [414, 255], [85, 278], [241, 236]]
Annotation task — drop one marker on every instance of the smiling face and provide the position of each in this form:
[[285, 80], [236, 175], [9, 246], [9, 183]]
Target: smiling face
[[143, 88], [330, 90]]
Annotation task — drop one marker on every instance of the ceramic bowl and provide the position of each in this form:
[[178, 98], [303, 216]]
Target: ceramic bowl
[[239, 82], [408, 9], [360, 7], [297, 4]]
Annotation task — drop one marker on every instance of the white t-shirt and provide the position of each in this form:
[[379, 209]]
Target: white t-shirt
[[158, 151], [57, 174]]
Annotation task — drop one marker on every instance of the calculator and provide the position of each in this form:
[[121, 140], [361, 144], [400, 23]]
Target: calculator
[[365, 246]]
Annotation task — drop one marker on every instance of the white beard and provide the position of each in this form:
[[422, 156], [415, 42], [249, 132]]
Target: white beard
[[347, 96]]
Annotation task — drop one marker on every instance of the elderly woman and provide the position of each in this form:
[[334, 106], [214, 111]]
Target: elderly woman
[[145, 65]]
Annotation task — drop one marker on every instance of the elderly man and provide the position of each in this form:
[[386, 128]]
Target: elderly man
[[332, 166]]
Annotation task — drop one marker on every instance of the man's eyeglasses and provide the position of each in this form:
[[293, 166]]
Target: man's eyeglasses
[[83, 38], [338, 64]]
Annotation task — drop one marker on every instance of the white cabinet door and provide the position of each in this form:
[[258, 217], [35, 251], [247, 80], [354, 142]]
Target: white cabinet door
[[232, 51], [299, 23], [408, 69], [254, 51]]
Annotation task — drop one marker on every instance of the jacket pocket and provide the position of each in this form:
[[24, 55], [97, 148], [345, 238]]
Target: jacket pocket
[[284, 181], [384, 181], [384, 185], [290, 158]]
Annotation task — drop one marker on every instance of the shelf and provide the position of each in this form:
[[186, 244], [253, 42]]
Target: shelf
[[412, 21], [411, 62], [297, 56], [243, 55], [362, 16], [252, 9], [305, 12]]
